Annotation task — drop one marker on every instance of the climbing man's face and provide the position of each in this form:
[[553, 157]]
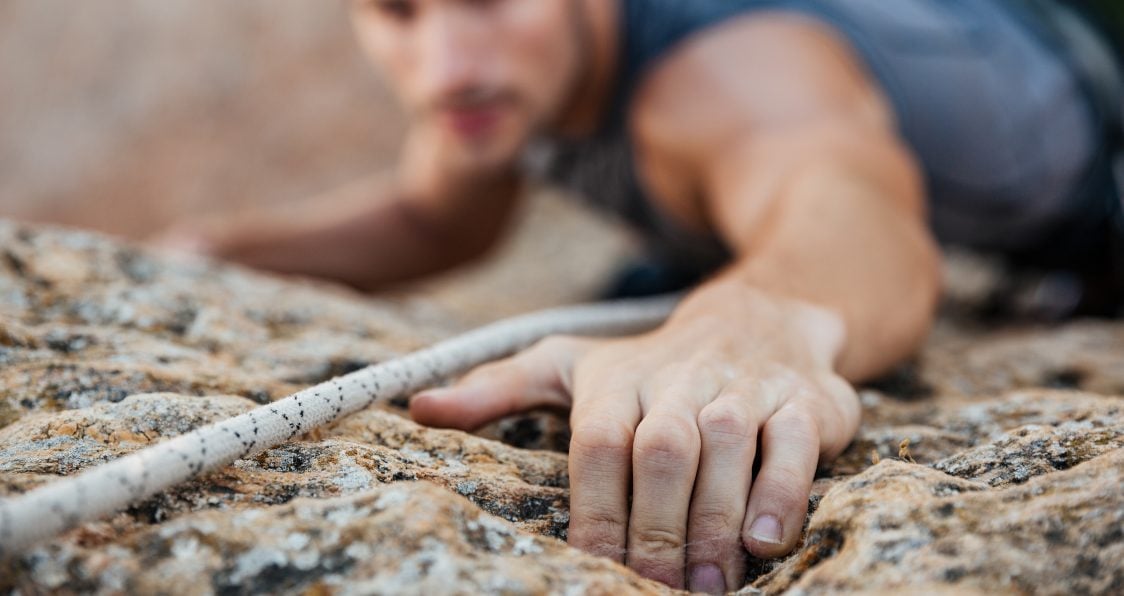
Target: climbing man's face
[[482, 74]]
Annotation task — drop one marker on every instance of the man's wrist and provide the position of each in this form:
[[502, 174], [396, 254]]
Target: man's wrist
[[734, 302]]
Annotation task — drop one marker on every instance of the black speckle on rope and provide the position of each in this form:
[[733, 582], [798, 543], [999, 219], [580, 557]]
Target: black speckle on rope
[[40, 514]]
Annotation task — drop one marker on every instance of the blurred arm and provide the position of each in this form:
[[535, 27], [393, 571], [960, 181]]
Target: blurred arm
[[372, 233]]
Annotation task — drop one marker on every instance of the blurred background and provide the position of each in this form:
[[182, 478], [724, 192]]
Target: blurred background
[[124, 119]]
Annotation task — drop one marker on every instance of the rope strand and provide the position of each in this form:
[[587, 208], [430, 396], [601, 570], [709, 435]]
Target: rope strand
[[44, 512]]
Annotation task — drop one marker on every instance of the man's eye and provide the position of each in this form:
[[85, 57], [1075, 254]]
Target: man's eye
[[397, 9]]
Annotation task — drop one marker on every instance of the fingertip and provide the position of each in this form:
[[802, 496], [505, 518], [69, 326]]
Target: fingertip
[[436, 407], [767, 529], [706, 578], [420, 408], [767, 537]]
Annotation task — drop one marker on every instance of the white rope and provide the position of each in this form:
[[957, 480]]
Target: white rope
[[46, 511]]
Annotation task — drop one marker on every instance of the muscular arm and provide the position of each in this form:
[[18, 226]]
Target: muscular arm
[[807, 183], [700, 440], [838, 222], [376, 231]]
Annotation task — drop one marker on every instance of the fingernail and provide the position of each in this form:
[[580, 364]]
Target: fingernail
[[707, 578], [766, 528], [426, 396]]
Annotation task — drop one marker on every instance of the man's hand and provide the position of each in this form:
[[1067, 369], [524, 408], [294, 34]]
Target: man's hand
[[672, 421]]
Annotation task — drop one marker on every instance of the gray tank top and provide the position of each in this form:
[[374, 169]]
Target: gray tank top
[[1000, 124]]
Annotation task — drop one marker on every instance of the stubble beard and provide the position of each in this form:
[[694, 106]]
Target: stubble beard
[[581, 32]]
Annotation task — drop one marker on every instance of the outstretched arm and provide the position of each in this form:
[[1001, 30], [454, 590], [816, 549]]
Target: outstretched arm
[[753, 365], [374, 232], [835, 280]]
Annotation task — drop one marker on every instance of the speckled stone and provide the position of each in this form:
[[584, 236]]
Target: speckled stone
[[992, 462], [402, 538], [910, 527]]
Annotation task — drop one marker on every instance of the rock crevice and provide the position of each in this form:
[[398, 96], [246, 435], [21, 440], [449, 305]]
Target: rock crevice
[[993, 462]]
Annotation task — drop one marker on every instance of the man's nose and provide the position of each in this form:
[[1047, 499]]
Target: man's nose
[[452, 55]]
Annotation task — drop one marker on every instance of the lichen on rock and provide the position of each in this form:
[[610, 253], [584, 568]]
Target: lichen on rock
[[1015, 437]]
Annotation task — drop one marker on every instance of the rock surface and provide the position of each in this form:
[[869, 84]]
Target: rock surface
[[993, 462]]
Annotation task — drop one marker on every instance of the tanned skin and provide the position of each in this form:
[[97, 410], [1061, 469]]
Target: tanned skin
[[765, 130]]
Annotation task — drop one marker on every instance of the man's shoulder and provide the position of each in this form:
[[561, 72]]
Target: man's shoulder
[[765, 69]]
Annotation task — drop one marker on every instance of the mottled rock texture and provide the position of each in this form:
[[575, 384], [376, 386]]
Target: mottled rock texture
[[992, 462]]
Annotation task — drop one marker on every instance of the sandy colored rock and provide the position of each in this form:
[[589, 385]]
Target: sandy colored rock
[[901, 526], [1016, 430], [403, 538], [1016, 434]]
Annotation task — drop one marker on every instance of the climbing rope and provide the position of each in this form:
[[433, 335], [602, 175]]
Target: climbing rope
[[46, 511]]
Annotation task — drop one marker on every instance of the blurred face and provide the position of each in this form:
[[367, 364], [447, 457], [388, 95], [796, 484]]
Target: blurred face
[[481, 74]]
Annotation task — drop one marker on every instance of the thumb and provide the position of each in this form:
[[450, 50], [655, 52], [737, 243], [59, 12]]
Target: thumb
[[537, 377]]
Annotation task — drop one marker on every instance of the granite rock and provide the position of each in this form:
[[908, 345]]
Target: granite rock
[[992, 462], [408, 537]]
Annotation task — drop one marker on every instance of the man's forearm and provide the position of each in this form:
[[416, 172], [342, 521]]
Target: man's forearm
[[380, 245], [845, 246], [367, 236]]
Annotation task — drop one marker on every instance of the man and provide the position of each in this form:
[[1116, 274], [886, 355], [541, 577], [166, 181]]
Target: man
[[798, 158]]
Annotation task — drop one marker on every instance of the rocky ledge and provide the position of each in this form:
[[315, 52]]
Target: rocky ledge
[[992, 462]]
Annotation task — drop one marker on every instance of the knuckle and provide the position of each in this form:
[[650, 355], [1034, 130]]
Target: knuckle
[[656, 540], [800, 387], [671, 373], [803, 384], [708, 524], [666, 439], [796, 423], [592, 436], [680, 376], [598, 526], [785, 488], [601, 533], [726, 423]]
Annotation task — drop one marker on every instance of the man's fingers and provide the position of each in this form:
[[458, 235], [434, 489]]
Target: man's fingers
[[600, 465], [778, 501], [728, 427], [533, 378], [665, 458]]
